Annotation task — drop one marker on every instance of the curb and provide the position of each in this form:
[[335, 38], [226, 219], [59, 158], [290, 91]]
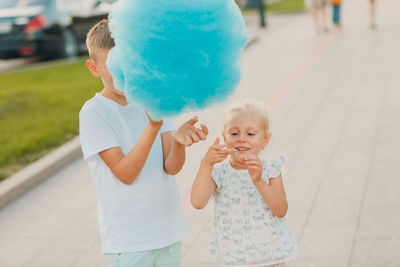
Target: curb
[[35, 173]]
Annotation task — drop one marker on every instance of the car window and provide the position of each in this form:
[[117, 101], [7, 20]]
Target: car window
[[21, 3], [107, 1], [75, 5]]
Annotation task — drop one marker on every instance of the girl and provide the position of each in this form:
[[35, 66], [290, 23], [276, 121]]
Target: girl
[[249, 227]]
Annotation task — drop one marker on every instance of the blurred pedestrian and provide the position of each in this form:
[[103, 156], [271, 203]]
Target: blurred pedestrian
[[336, 12], [372, 13], [319, 14], [261, 9]]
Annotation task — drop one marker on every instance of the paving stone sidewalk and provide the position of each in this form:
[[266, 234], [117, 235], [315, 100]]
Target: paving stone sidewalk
[[335, 109]]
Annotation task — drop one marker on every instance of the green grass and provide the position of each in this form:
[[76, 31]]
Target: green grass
[[39, 111], [287, 6], [283, 6]]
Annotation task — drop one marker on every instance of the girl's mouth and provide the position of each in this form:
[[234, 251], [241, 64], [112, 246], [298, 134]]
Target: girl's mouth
[[242, 149]]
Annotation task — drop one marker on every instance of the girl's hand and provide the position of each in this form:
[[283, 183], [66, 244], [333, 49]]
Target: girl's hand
[[216, 153], [188, 134], [254, 166], [154, 123]]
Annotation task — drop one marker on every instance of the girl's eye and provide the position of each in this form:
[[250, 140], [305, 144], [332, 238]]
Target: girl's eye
[[250, 134], [234, 134]]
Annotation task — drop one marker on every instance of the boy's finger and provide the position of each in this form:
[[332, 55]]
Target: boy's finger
[[204, 128], [193, 120], [201, 134], [188, 140], [148, 116], [194, 136]]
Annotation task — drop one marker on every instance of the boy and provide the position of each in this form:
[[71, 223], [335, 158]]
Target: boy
[[131, 158]]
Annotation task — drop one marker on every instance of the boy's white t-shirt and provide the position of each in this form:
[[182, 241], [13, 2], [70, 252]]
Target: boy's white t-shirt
[[146, 215]]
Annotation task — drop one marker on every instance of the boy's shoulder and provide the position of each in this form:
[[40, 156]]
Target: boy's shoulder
[[96, 106], [93, 103]]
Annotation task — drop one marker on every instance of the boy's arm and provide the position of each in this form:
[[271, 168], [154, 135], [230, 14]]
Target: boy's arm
[[127, 167], [174, 154], [174, 146], [204, 185]]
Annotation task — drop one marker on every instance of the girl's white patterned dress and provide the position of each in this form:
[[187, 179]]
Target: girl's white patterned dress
[[245, 231]]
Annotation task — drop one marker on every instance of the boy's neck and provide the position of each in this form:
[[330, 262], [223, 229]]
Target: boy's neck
[[120, 99]]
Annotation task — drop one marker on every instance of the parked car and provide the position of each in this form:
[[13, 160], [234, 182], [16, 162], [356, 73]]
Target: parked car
[[48, 28]]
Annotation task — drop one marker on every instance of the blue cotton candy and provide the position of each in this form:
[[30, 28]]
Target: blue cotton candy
[[175, 56]]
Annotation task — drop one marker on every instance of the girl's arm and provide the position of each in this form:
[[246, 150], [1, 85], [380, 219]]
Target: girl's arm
[[273, 193], [204, 186]]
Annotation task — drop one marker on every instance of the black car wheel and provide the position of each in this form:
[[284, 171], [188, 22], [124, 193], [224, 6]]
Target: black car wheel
[[69, 47]]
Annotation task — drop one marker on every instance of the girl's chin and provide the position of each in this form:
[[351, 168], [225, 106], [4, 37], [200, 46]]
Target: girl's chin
[[238, 158]]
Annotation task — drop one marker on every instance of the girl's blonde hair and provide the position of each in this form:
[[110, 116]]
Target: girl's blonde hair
[[256, 107]]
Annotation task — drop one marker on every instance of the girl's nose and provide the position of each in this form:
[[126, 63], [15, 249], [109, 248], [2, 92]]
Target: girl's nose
[[242, 138]]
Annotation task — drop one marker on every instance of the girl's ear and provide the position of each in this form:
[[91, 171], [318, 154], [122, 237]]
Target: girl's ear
[[92, 68], [266, 139]]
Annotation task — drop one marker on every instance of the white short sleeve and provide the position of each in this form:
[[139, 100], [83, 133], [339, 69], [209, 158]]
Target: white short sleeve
[[96, 134], [274, 168], [217, 173], [168, 125]]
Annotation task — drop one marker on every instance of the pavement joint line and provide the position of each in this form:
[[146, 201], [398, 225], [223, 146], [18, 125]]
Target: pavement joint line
[[326, 167], [35, 173], [368, 178], [303, 68]]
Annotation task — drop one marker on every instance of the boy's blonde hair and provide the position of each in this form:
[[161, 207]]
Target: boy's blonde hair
[[258, 108], [99, 38]]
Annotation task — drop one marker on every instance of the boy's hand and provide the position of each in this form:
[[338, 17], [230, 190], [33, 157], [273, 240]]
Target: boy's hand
[[154, 123], [254, 166], [216, 153], [188, 134]]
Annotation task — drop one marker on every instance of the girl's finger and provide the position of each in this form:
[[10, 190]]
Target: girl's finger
[[216, 142], [252, 162], [222, 154], [250, 157], [218, 147]]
